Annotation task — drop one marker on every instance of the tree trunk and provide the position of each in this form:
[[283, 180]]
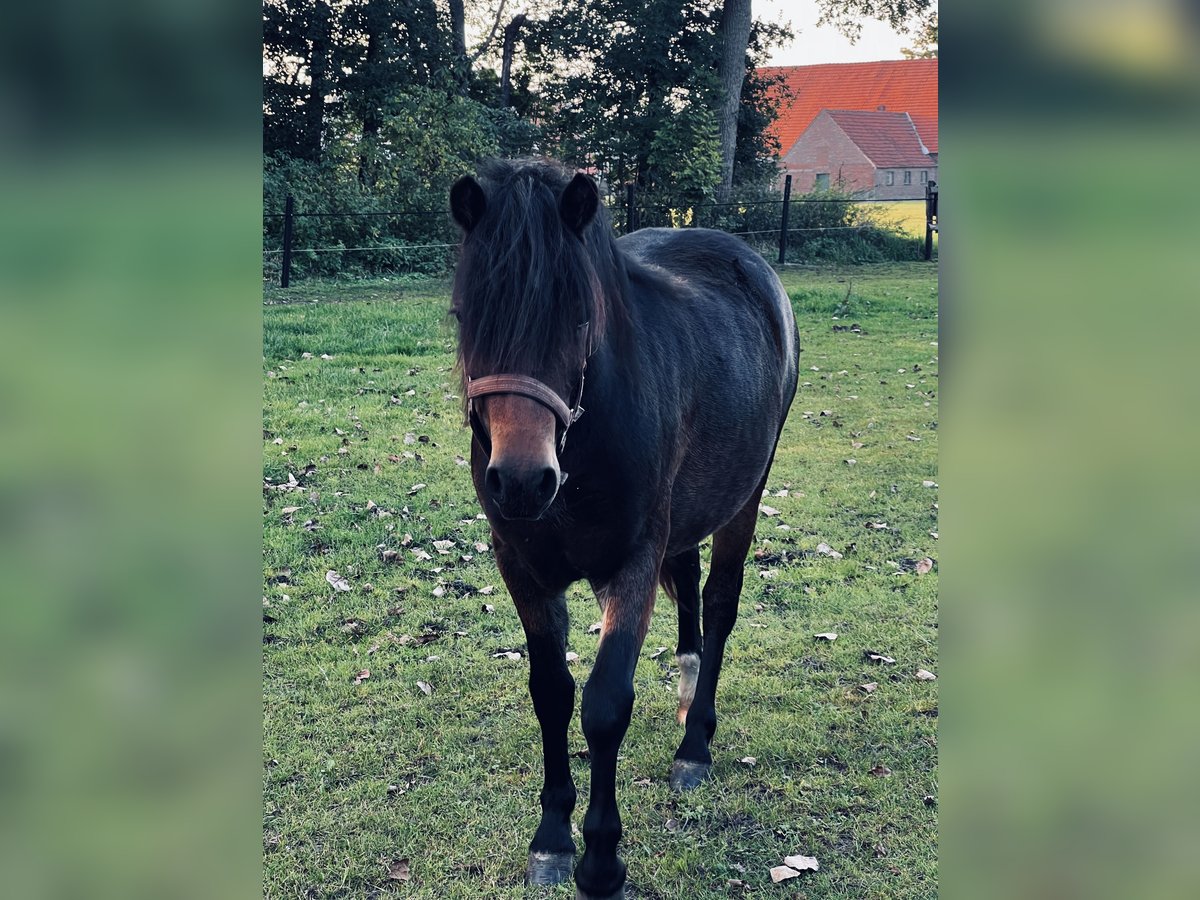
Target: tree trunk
[[735, 34], [318, 73], [371, 122], [510, 38], [458, 25]]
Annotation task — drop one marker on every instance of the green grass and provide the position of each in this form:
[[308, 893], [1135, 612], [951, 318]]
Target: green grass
[[360, 775], [907, 215]]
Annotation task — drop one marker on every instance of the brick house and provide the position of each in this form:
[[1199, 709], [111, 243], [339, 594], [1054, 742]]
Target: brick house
[[901, 87], [871, 154]]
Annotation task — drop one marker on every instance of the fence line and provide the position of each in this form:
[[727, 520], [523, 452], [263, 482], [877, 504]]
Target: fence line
[[391, 214], [353, 249], [633, 215]]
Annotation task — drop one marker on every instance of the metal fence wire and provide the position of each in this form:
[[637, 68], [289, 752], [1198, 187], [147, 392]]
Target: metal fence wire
[[762, 221]]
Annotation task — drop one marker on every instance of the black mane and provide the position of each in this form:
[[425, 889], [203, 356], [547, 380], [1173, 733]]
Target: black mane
[[525, 283]]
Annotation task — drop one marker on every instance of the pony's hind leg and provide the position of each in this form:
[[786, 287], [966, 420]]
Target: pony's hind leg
[[680, 578], [721, 592]]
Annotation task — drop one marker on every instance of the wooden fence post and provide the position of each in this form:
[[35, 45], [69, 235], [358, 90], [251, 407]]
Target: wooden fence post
[[783, 219], [630, 211], [285, 274], [931, 198]]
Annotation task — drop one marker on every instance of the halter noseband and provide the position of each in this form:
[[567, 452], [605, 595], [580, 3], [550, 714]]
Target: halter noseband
[[525, 386]]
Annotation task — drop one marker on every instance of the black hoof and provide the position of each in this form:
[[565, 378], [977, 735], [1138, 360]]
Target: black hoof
[[549, 868], [619, 895], [686, 775]]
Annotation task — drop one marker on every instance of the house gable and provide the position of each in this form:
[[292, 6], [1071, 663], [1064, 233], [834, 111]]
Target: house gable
[[825, 149], [871, 154], [903, 85]]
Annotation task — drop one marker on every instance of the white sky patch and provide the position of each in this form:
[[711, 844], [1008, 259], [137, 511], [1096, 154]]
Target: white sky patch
[[826, 44]]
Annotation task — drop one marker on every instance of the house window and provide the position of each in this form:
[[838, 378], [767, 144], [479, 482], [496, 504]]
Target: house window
[[822, 181], [889, 178], [908, 176], [924, 176]]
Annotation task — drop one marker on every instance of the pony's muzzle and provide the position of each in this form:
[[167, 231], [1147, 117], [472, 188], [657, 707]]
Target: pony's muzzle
[[522, 492]]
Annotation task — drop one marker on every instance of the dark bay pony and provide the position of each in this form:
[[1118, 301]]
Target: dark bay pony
[[625, 398]]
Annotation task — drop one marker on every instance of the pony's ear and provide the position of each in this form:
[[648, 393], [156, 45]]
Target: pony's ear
[[579, 203], [467, 202]]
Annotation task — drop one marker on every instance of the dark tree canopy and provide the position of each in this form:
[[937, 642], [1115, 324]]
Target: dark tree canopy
[[382, 104]]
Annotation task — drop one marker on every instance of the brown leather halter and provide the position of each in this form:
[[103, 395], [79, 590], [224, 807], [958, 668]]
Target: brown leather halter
[[525, 386]]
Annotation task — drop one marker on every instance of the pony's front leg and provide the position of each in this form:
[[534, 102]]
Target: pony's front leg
[[607, 705], [552, 689]]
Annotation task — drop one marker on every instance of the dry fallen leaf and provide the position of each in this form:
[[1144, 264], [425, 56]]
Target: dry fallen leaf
[[443, 546], [572, 656], [421, 555], [487, 607], [595, 628], [881, 771], [507, 654], [825, 550], [928, 483], [748, 760], [337, 581], [480, 547], [398, 870], [769, 511], [802, 863], [362, 676], [416, 487], [658, 651], [426, 688], [869, 687], [878, 657], [830, 636], [926, 675], [288, 510], [782, 873], [924, 566]]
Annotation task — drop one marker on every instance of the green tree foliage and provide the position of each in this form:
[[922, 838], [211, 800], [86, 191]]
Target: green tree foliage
[[925, 45], [371, 106], [640, 69], [847, 16], [689, 149]]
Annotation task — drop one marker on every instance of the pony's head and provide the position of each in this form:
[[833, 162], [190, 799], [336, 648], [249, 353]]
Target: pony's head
[[529, 298]]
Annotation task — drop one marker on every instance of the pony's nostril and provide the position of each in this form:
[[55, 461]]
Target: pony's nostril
[[491, 481], [549, 483]]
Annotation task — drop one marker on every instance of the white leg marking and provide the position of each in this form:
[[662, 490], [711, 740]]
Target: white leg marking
[[689, 671]]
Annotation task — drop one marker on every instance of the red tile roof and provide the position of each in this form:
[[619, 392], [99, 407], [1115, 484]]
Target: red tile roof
[[888, 139], [899, 85]]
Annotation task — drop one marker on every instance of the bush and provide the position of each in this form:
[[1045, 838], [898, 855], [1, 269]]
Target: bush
[[387, 192], [830, 226]]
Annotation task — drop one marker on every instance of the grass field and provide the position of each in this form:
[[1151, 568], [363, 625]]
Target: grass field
[[907, 215], [420, 779]]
